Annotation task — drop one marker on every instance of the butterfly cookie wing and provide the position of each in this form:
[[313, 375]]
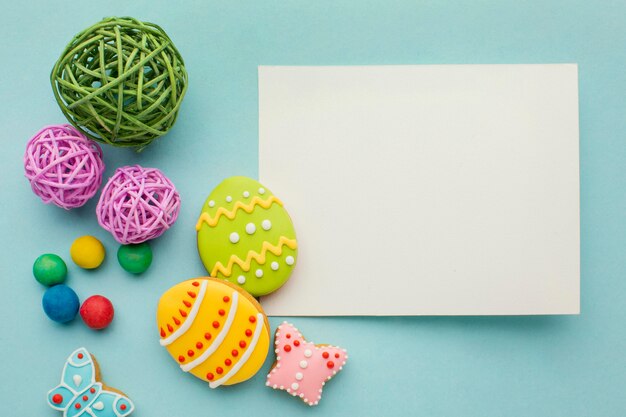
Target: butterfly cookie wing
[[79, 373], [111, 404]]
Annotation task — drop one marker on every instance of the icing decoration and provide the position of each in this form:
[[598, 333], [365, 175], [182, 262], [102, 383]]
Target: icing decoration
[[261, 228], [81, 393], [304, 378], [211, 203], [223, 315], [191, 315]]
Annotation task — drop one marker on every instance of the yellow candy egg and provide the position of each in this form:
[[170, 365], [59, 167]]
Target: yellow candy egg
[[214, 330], [87, 252]]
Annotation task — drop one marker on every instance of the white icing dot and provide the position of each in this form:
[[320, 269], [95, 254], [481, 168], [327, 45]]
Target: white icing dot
[[259, 273], [261, 190], [299, 376], [246, 194], [234, 237], [250, 228], [289, 260], [211, 203], [229, 199], [304, 364], [274, 266], [266, 224], [295, 386], [241, 279], [308, 353]]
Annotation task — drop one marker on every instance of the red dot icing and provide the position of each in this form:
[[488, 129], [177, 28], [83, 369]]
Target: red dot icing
[[162, 332], [93, 390], [77, 406], [219, 370], [288, 336], [242, 344], [195, 283], [296, 343], [287, 348], [210, 376], [199, 345], [186, 303], [221, 312], [325, 355], [170, 328], [235, 352], [123, 407], [248, 332], [216, 324], [191, 294], [85, 398], [57, 398], [190, 353], [330, 364], [228, 362], [226, 298], [176, 321], [337, 355], [207, 336], [181, 358], [252, 319], [80, 356], [182, 313]]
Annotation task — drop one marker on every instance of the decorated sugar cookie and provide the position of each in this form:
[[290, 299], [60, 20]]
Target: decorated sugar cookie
[[213, 330], [246, 237], [302, 368], [81, 392]]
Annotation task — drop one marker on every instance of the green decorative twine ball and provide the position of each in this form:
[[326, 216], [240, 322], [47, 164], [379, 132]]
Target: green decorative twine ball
[[120, 82]]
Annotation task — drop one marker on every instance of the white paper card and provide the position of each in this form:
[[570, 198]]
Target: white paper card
[[427, 189]]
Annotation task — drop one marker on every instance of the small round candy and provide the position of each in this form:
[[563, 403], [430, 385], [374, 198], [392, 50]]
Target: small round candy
[[135, 259], [60, 303], [49, 269], [87, 252], [97, 312]]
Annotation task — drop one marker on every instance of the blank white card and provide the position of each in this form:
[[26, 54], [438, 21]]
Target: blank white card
[[426, 189]]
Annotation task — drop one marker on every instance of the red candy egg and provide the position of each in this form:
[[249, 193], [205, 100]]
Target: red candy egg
[[97, 312]]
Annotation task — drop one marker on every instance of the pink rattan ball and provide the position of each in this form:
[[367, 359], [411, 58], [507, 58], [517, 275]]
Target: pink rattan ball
[[138, 204], [63, 166]]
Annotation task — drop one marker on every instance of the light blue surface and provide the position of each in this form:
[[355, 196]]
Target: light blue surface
[[525, 366]]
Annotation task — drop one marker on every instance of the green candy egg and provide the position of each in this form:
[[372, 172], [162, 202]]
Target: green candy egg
[[246, 237], [135, 259], [49, 269]]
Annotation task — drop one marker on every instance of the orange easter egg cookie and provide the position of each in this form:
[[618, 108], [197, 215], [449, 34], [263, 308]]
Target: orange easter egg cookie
[[214, 330]]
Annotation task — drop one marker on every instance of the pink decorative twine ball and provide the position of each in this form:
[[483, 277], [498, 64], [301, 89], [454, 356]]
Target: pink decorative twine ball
[[138, 204], [63, 166]]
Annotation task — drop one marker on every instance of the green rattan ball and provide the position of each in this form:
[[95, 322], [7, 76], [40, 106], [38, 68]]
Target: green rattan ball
[[120, 82]]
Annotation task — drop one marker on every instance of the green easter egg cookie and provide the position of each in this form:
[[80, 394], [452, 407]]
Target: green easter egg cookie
[[246, 237]]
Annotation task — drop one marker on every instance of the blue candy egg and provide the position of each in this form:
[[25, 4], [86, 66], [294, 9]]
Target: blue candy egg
[[60, 303]]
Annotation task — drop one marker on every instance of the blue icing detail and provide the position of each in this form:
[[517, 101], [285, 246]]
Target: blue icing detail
[[79, 378], [85, 399], [66, 397], [111, 405]]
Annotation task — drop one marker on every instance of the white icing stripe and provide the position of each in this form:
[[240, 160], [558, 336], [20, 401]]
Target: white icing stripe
[[192, 315], [219, 339], [260, 322]]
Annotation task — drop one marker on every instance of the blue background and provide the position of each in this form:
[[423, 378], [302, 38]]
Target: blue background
[[463, 366]]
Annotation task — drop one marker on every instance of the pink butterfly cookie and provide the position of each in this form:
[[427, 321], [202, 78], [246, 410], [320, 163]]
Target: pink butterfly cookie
[[302, 368]]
